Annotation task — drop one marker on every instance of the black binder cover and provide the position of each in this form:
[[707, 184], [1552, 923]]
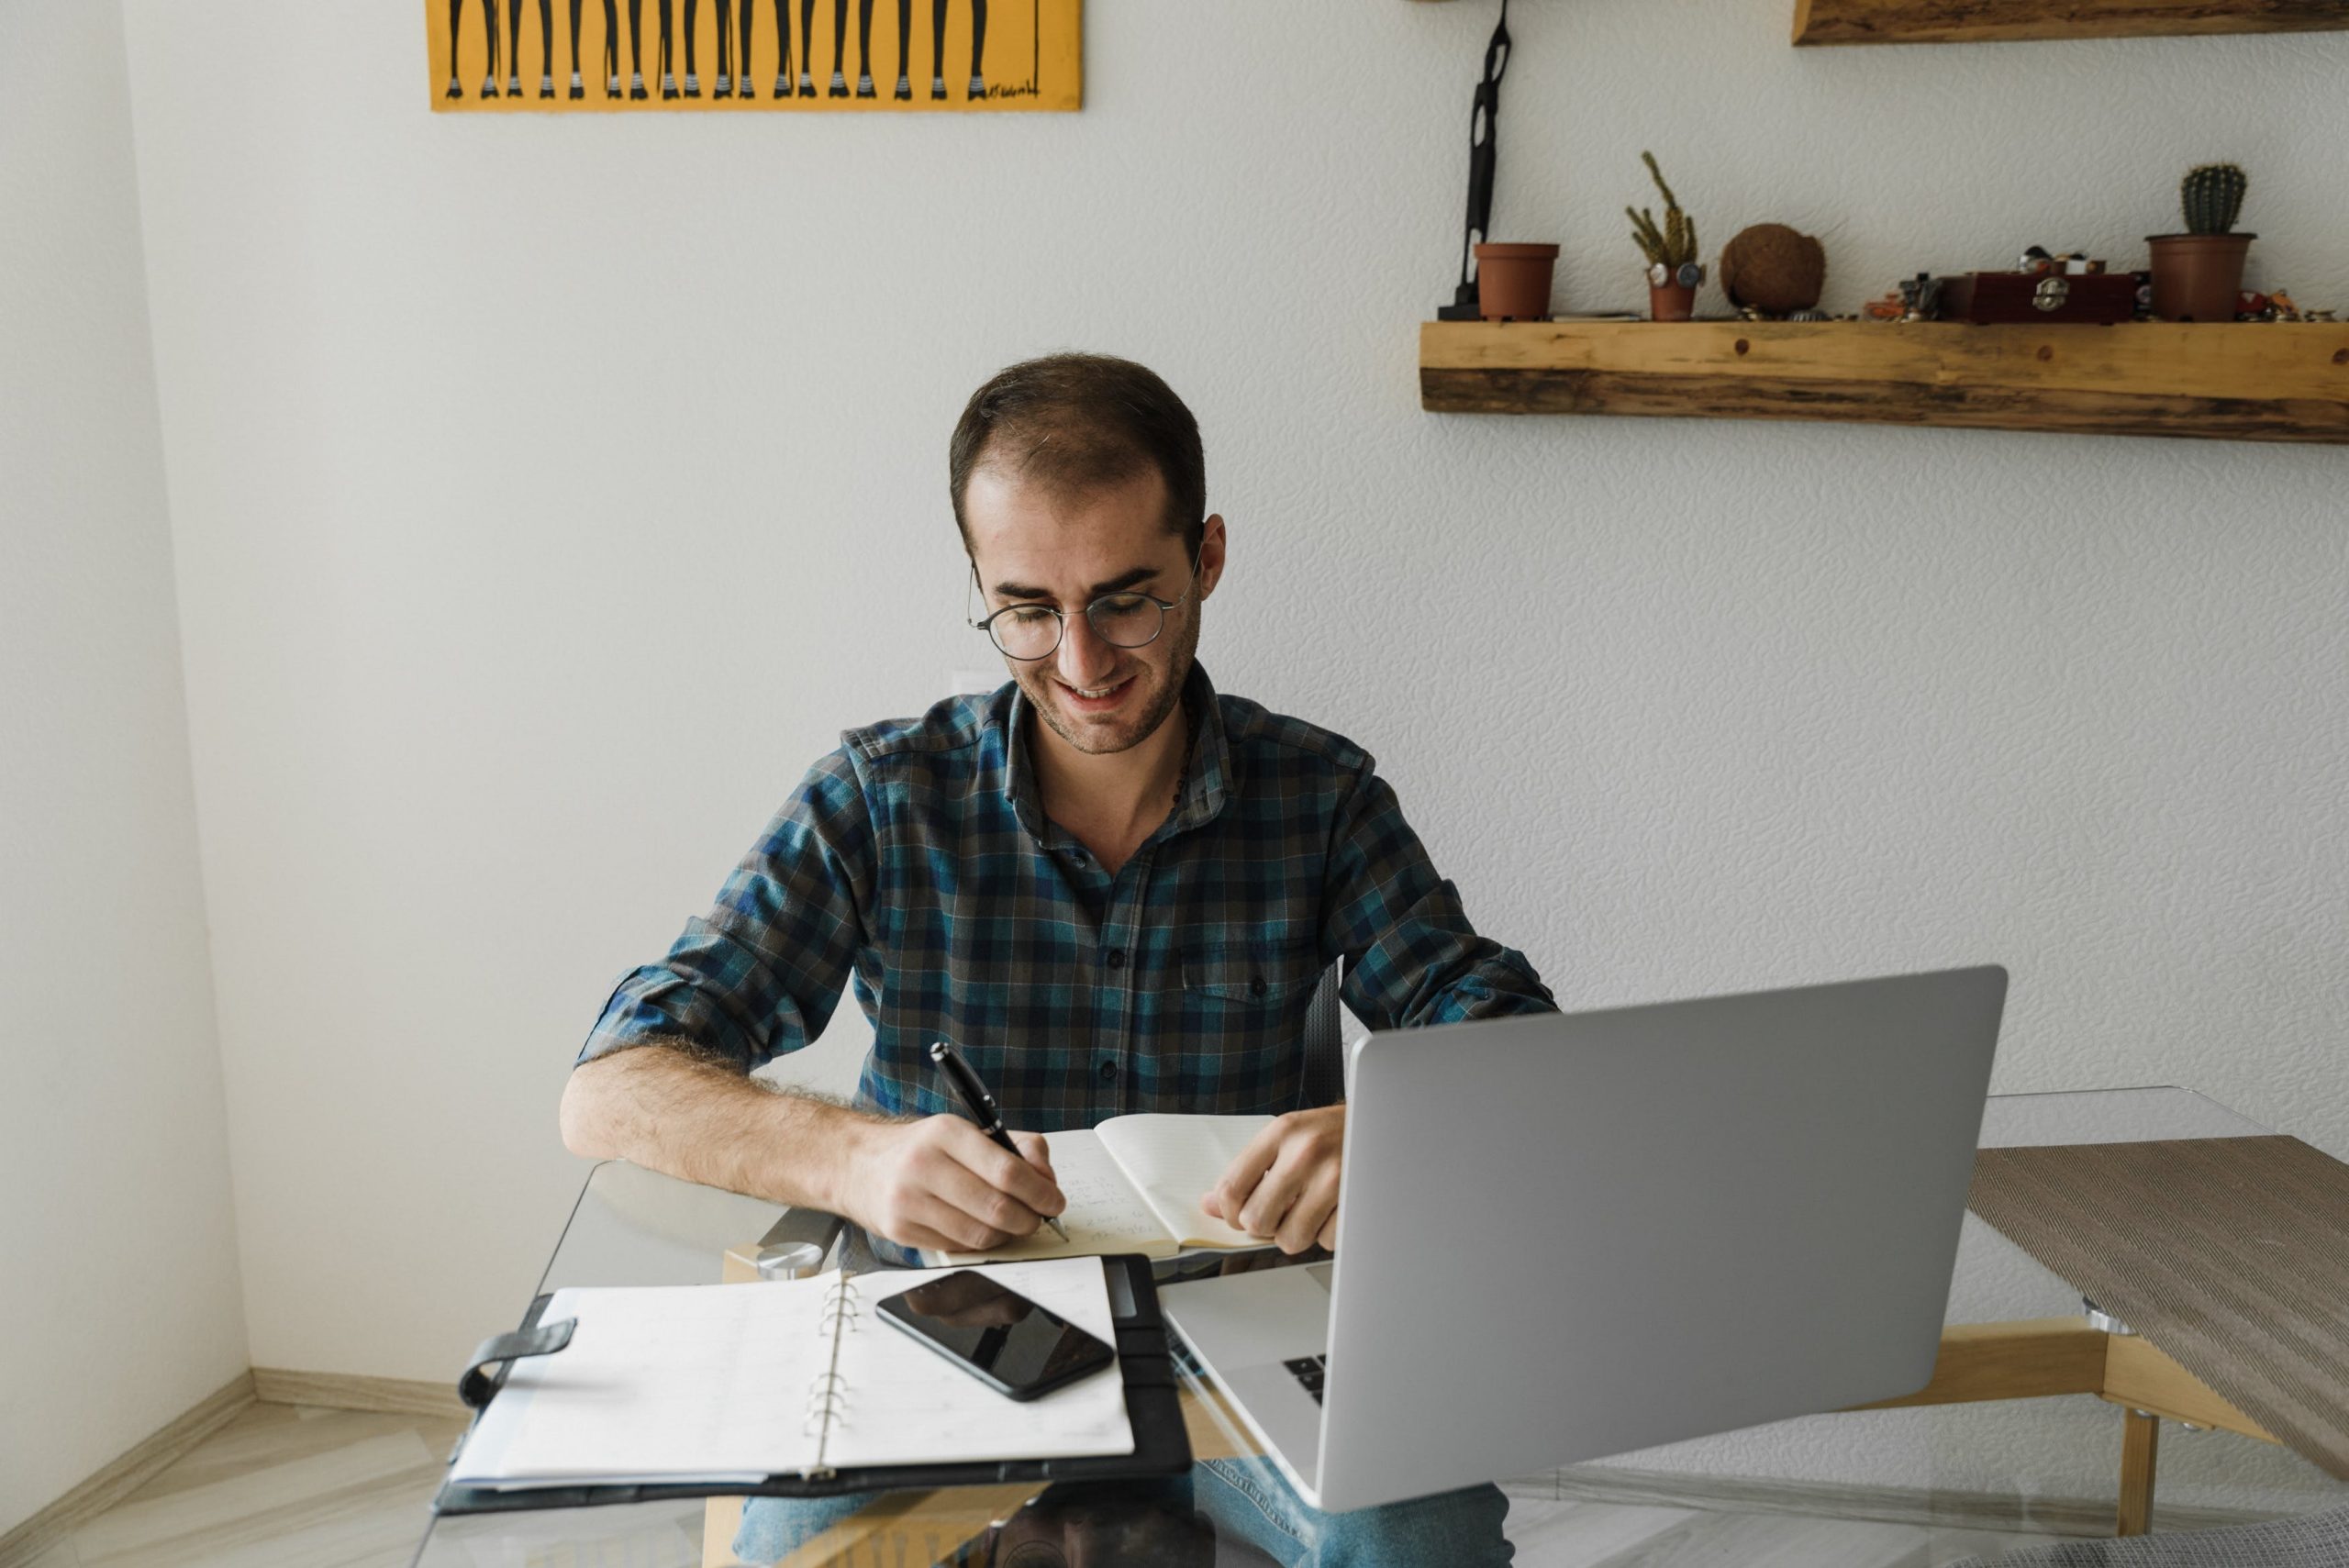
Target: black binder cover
[[1161, 1446]]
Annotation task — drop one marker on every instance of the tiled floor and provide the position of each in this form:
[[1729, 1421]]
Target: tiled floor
[[282, 1487], [279, 1486], [1609, 1535]]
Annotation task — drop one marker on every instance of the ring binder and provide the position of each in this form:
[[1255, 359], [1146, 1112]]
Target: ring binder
[[828, 1395], [840, 1444], [841, 1309]]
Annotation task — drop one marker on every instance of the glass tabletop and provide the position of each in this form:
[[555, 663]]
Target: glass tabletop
[[633, 1226]]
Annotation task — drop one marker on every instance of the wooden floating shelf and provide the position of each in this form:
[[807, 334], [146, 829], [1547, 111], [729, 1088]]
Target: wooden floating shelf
[[1984, 21], [2242, 381]]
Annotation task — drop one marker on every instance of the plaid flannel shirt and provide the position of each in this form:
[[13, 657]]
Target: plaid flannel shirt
[[916, 863]]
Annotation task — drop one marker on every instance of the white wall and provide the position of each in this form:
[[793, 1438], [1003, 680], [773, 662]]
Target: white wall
[[119, 1305], [548, 492]]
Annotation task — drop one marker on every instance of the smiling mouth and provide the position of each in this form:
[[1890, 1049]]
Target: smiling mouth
[[1094, 694]]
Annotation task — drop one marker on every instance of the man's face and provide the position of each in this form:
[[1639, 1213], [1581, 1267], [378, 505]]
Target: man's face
[[1035, 547]]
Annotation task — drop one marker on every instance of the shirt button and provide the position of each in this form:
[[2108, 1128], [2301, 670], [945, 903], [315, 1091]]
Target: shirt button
[[1256, 986], [1109, 1072], [1116, 958]]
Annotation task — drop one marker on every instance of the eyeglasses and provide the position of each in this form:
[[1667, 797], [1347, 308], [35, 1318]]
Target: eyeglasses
[[1029, 632]]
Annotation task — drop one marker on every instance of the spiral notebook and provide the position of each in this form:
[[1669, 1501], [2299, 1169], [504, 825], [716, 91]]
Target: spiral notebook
[[734, 1384]]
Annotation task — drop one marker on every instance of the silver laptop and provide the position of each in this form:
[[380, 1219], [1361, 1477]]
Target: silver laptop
[[1575, 1235]]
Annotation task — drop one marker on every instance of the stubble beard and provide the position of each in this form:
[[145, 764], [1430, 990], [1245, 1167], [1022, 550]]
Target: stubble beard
[[1161, 702]]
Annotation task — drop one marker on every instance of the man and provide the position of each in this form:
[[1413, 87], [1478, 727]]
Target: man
[[1114, 889]]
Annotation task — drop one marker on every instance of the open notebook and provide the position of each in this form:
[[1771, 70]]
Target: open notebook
[[727, 1383], [1133, 1184]]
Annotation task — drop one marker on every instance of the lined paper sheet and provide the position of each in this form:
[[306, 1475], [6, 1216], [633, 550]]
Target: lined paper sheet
[[1174, 1160], [1106, 1215], [908, 1406], [658, 1381]]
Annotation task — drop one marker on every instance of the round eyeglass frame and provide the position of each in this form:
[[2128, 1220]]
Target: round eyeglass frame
[[1060, 631]]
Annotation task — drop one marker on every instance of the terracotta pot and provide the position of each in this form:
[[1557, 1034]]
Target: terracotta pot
[[1513, 280], [2197, 276], [1671, 302]]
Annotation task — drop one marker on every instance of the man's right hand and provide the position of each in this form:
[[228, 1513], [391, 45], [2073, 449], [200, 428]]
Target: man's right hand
[[941, 1183]]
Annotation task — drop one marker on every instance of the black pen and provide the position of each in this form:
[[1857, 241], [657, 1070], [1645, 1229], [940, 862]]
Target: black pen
[[981, 1103]]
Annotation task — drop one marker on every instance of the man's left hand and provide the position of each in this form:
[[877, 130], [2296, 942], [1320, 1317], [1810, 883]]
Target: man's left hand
[[1284, 1186]]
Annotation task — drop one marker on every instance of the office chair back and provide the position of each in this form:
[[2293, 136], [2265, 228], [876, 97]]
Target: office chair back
[[1325, 1046]]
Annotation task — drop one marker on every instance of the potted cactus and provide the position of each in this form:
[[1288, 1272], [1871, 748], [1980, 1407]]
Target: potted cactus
[[2198, 274], [1674, 270]]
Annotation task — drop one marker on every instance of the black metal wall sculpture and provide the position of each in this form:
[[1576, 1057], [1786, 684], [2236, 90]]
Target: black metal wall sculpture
[[1481, 159]]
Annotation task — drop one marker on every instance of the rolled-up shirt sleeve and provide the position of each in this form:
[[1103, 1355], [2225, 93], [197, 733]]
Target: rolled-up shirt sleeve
[[1412, 957], [760, 974]]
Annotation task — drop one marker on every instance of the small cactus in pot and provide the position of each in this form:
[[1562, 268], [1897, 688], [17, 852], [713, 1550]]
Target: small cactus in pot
[[1670, 246], [2212, 197], [2198, 275]]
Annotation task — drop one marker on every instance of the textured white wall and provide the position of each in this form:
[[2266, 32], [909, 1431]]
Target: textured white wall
[[549, 493], [118, 1299]]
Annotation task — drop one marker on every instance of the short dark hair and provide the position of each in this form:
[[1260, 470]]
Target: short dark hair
[[1078, 422]]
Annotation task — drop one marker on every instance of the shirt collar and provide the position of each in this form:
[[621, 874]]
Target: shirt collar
[[1207, 780]]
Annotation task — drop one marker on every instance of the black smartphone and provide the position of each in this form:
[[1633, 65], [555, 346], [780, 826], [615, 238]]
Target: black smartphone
[[1014, 1346]]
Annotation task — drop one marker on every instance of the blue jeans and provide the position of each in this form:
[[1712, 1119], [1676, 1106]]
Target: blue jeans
[[1233, 1499]]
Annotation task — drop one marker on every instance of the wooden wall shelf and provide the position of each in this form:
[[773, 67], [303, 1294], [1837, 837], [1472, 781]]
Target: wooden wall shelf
[[1984, 21], [2252, 381]]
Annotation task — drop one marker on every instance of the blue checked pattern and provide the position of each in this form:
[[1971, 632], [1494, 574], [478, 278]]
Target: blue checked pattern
[[914, 864]]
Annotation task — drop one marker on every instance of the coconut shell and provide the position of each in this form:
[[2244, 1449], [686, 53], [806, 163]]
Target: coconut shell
[[1773, 268]]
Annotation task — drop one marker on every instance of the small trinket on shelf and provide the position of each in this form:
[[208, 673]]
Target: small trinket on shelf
[[1920, 296], [1773, 268]]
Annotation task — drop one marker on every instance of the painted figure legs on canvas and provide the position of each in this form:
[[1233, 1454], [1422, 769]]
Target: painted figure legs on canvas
[[611, 44], [840, 47], [488, 41], [860, 73], [514, 46], [611, 51], [938, 48], [742, 87], [724, 86], [783, 43], [865, 48], [579, 83]]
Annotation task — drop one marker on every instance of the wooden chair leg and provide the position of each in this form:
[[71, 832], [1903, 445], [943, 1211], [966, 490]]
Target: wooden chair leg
[[2140, 1439]]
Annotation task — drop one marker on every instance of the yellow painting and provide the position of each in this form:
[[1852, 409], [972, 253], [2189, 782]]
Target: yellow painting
[[726, 56]]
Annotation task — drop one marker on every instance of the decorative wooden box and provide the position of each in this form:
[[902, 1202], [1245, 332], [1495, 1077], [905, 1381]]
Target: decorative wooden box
[[1991, 298]]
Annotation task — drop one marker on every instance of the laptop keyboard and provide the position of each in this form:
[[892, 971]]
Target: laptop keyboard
[[1308, 1371]]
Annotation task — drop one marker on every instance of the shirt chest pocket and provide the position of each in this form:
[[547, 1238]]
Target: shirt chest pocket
[[1263, 974]]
